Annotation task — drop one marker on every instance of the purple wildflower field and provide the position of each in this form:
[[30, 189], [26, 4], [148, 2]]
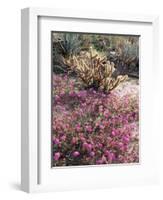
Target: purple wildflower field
[[90, 127]]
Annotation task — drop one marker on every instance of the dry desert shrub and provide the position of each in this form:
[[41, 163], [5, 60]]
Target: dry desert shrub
[[95, 71]]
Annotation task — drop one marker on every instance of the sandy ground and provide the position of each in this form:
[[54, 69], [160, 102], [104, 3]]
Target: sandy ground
[[129, 86]]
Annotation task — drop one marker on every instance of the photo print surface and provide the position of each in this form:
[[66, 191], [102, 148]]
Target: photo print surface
[[95, 99]]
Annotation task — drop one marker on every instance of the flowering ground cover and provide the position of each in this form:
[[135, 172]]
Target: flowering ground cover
[[90, 127]]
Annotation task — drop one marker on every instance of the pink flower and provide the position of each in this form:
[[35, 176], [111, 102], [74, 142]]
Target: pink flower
[[87, 146], [120, 144], [110, 155], [89, 129], [99, 162], [82, 138], [113, 133], [101, 127], [57, 98], [76, 153], [107, 152], [78, 127], [104, 160], [57, 156], [99, 145], [126, 139], [56, 141], [106, 114], [63, 137], [101, 108], [74, 140], [92, 153], [82, 94]]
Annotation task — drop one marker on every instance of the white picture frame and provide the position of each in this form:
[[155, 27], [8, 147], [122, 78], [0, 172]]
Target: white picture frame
[[36, 173]]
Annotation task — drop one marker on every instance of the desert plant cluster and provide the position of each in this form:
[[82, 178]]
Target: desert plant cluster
[[95, 72], [95, 105]]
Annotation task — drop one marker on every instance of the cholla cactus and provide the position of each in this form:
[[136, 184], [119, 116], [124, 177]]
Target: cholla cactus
[[95, 71]]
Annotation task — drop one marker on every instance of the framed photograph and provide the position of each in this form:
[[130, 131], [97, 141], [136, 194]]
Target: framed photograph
[[89, 89]]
